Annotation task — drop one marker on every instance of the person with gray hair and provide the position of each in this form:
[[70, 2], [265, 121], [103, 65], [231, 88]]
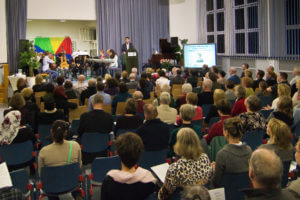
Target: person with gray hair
[[206, 96], [81, 84], [233, 77], [95, 121], [132, 81], [165, 88], [265, 173], [195, 192], [186, 88], [89, 91], [165, 112], [138, 97], [154, 132], [187, 113]]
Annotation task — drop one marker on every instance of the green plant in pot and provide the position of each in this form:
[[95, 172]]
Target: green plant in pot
[[179, 51], [28, 59]]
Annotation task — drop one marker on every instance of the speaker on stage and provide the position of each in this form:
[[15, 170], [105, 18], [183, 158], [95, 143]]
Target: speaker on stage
[[174, 41]]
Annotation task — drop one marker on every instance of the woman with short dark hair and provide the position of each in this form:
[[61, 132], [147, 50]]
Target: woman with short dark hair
[[130, 182], [122, 96], [129, 120]]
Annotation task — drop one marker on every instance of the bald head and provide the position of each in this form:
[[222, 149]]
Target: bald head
[[137, 95], [92, 82], [232, 70], [265, 169], [150, 111], [81, 78]]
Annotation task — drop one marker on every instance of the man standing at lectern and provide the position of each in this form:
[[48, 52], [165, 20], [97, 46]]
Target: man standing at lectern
[[127, 45]]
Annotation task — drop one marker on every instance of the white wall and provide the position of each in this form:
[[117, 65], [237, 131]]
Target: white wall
[[3, 46], [54, 28], [184, 19], [62, 9]]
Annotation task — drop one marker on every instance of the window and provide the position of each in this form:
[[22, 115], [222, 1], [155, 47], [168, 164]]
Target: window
[[246, 26], [292, 27], [215, 22]]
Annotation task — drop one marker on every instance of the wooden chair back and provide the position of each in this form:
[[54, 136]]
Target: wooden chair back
[[177, 91], [86, 101], [107, 108], [131, 91], [75, 113], [37, 96], [120, 108], [74, 101]]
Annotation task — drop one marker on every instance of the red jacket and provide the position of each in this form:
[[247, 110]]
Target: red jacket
[[239, 107], [216, 129]]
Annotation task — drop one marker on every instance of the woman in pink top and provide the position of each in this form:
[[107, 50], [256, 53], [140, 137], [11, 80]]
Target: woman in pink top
[[192, 98]]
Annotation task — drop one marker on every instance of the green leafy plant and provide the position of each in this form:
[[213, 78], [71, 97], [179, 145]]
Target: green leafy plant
[[166, 65], [28, 57], [179, 50]]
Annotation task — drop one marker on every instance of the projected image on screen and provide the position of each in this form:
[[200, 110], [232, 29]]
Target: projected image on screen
[[196, 55]]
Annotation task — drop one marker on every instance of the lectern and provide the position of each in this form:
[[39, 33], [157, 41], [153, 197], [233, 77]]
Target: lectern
[[130, 59]]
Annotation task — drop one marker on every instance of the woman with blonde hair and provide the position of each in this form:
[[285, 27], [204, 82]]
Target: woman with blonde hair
[[239, 105], [284, 111], [280, 139], [39, 85], [219, 94], [247, 83], [193, 168], [282, 90]]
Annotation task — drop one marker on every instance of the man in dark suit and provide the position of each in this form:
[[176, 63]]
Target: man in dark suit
[[96, 120], [154, 133], [127, 45]]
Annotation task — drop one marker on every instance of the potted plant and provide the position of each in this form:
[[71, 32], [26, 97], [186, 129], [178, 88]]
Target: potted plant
[[28, 59], [179, 51]]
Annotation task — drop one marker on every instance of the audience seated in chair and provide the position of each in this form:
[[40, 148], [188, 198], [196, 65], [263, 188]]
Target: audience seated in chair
[[262, 89], [224, 110], [162, 79], [218, 95], [91, 90], [193, 168], [49, 92], [252, 119], [206, 96], [296, 113], [39, 85], [81, 85], [259, 77], [280, 139], [59, 153], [239, 105], [296, 102], [144, 88], [51, 114], [122, 96], [187, 113], [235, 153], [186, 88], [96, 120], [129, 120], [165, 112], [31, 107], [265, 171], [282, 90], [124, 78], [294, 186], [130, 182], [284, 111], [132, 84], [177, 79], [138, 98], [70, 92], [192, 99], [282, 79], [21, 84], [233, 77], [154, 133], [247, 83], [111, 87], [195, 192], [165, 88], [100, 90]]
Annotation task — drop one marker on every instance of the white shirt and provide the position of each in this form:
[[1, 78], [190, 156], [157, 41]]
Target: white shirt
[[46, 62], [274, 103], [127, 46], [115, 62], [162, 81], [293, 81]]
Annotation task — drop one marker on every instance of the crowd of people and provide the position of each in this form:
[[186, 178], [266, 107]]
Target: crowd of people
[[168, 122]]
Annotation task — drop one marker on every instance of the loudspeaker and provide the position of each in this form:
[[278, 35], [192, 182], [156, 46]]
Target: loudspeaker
[[174, 41], [23, 45]]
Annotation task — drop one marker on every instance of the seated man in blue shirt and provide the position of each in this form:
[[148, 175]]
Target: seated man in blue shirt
[[233, 77]]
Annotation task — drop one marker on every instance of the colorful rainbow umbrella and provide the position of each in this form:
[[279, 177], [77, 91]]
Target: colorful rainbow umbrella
[[54, 45]]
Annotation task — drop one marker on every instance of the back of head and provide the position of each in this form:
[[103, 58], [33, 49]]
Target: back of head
[[132, 76], [118, 75], [142, 83], [178, 72], [98, 99], [263, 85], [17, 101], [130, 106], [285, 105], [188, 144], [21, 84], [92, 83], [150, 111], [60, 80], [233, 126], [212, 76], [207, 84], [68, 85], [248, 73], [195, 192], [247, 82], [222, 73], [59, 130], [49, 87], [192, 98], [27, 93], [246, 65], [254, 103], [261, 73], [81, 78], [38, 79], [187, 112], [123, 87], [229, 84], [49, 104], [265, 168], [240, 91], [219, 95], [144, 75], [124, 74], [186, 88], [165, 98], [161, 73], [100, 86], [284, 90], [129, 148], [280, 134], [224, 106], [137, 95], [283, 75], [112, 83]]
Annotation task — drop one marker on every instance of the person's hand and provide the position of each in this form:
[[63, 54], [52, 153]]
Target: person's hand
[[213, 165], [267, 107]]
